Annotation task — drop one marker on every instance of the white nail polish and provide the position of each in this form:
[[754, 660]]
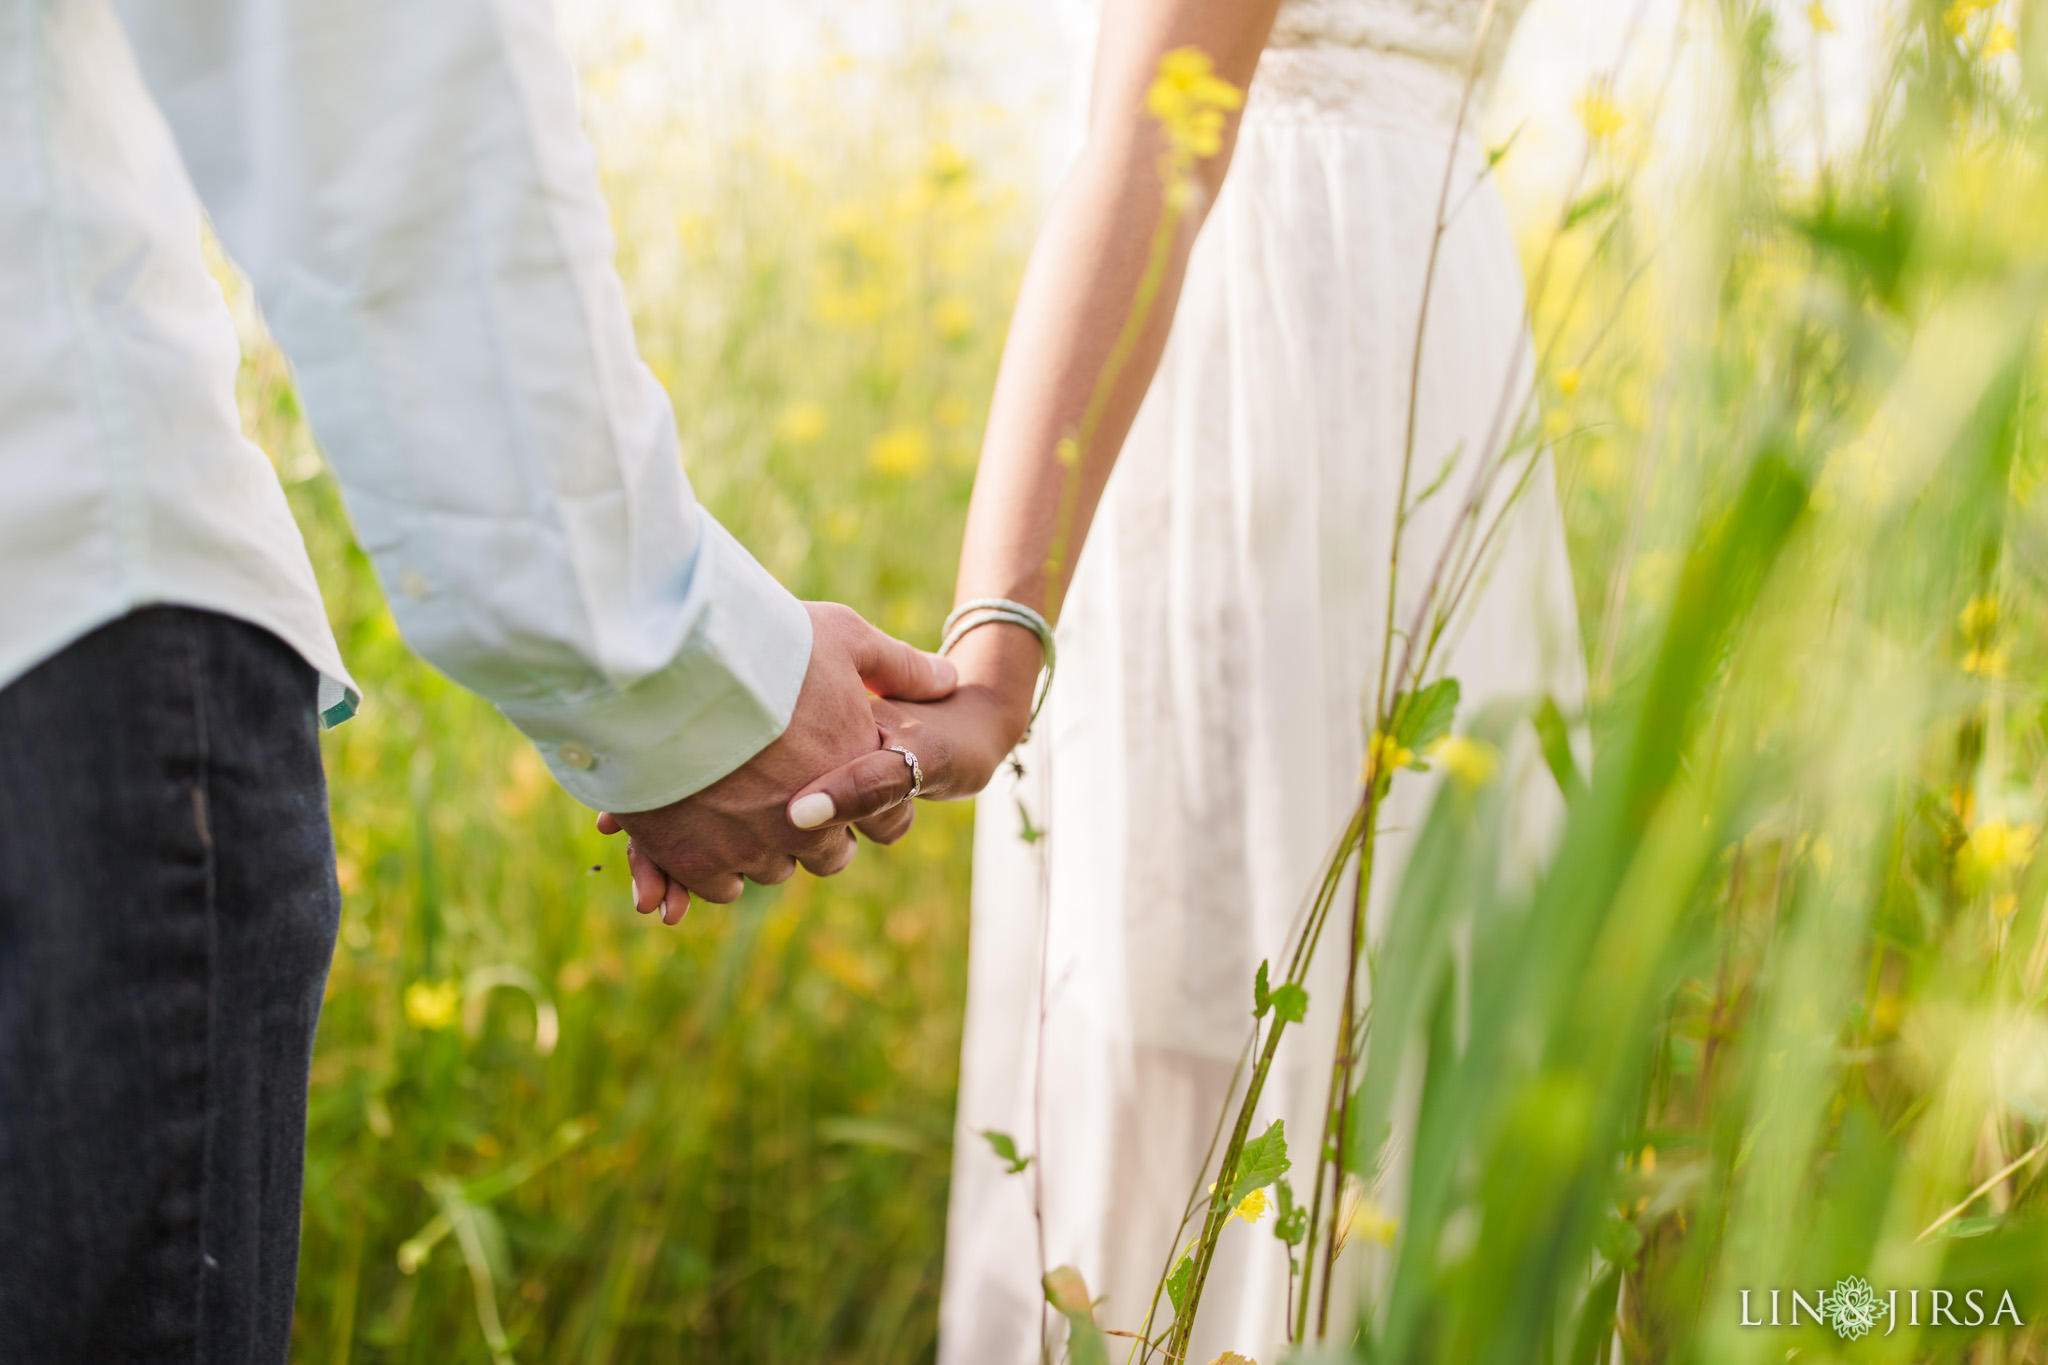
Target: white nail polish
[[809, 812]]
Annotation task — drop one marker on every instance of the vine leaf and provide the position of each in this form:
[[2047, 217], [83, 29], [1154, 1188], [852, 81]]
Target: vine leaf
[[1177, 1284], [1263, 1160], [1262, 998], [1422, 718], [1291, 1224], [1005, 1148], [1290, 1004]]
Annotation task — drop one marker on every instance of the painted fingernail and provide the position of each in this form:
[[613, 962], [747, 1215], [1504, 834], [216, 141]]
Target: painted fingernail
[[809, 812]]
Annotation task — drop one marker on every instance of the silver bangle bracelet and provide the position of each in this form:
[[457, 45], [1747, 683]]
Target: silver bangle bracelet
[[983, 611]]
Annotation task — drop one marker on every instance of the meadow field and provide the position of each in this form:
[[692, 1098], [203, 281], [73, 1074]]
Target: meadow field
[[1774, 1018]]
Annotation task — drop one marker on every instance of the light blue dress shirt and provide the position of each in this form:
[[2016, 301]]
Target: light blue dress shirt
[[410, 190]]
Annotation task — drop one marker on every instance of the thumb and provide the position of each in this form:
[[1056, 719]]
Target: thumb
[[890, 668], [857, 791]]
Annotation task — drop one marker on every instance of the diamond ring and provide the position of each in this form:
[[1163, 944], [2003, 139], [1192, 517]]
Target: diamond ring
[[916, 772]]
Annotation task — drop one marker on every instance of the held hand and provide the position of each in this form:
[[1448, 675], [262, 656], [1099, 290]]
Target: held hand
[[959, 742], [704, 844]]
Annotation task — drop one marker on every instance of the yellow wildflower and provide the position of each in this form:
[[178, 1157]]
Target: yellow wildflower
[[1252, 1207], [2002, 39], [1599, 114], [1385, 754], [1817, 17], [1980, 616], [953, 318], [1233, 1358], [1568, 380], [1369, 1220], [1189, 99], [1472, 761], [433, 1004], [952, 410], [1556, 423], [1957, 16], [1995, 847], [842, 525], [903, 452], [1984, 661], [949, 166], [801, 424]]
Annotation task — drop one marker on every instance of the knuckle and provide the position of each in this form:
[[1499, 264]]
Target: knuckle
[[839, 617], [877, 786]]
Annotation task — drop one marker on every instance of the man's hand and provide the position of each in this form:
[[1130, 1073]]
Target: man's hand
[[739, 826], [959, 742]]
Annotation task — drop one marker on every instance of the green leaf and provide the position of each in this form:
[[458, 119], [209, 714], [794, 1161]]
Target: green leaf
[[1586, 205], [1555, 737], [1422, 718], [1262, 998], [1290, 1222], [1066, 1291], [1443, 476], [1498, 153], [1005, 1147], [1178, 1282], [1617, 1240], [1263, 1160], [1596, 1320], [1974, 1227], [1290, 1004], [1028, 832]]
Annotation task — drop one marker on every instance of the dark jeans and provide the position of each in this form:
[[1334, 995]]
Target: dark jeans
[[167, 915]]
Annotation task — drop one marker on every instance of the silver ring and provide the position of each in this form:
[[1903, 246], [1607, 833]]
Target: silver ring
[[916, 772]]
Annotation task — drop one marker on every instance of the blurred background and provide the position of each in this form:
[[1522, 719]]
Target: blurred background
[[547, 1129]]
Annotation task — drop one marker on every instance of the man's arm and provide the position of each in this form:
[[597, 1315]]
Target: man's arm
[[411, 192]]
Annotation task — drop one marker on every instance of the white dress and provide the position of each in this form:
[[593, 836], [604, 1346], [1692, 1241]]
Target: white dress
[[1200, 753]]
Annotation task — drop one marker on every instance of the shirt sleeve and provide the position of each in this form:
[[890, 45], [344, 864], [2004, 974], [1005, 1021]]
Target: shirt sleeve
[[410, 190]]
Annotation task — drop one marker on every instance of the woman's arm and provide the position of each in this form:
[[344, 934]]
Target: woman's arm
[[1079, 291]]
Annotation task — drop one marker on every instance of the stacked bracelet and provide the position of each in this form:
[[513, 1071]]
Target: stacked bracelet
[[984, 611]]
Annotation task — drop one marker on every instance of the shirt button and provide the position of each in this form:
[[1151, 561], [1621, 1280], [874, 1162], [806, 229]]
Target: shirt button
[[577, 756]]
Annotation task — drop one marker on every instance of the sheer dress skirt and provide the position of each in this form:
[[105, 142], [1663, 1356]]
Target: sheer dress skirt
[[1200, 753]]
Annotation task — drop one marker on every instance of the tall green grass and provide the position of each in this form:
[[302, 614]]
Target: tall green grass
[[1773, 1017]]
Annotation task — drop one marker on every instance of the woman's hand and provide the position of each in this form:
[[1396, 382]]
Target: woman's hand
[[959, 742]]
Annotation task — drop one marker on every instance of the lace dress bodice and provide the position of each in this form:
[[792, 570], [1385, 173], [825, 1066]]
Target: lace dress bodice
[[1402, 61]]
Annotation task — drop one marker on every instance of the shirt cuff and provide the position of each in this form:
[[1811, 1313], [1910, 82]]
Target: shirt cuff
[[728, 695]]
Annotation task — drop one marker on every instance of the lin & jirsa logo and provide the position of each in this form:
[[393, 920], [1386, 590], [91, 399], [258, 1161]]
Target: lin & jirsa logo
[[1853, 1308]]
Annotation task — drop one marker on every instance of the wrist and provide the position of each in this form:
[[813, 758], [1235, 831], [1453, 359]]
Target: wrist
[[1001, 661]]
